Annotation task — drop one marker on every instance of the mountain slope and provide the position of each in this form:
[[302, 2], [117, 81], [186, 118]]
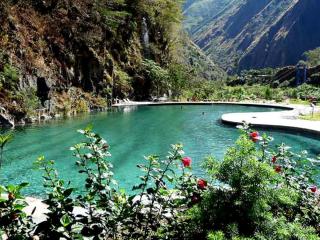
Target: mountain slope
[[296, 32], [257, 34], [202, 66], [198, 12]]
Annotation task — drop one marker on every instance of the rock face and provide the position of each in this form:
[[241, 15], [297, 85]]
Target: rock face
[[55, 45], [68, 56], [92, 47], [258, 34]]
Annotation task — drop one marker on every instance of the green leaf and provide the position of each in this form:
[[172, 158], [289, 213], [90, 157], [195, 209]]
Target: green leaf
[[19, 207], [11, 188], [65, 220], [67, 192], [24, 184], [169, 178], [89, 127]]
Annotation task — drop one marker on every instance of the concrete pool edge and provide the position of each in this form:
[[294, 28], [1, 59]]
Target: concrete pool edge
[[282, 120], [273, 105]]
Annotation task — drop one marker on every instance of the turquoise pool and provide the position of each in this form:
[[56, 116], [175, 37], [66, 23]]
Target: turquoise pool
[[132, 132]]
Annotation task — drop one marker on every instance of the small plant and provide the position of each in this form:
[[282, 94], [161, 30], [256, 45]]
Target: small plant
[[101, 196], [60, 219], [158, 205], [4, 140], [9, 77], [28, 100], [268, 94], [14, 224]]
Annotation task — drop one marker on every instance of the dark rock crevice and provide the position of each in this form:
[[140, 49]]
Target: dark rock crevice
[[42, 90]]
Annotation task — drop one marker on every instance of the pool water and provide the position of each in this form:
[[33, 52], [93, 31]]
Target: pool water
[[132, 132]]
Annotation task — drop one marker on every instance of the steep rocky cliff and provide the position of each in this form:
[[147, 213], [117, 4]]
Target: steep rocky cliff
[[257, 34], [74, 54], [69, 56]]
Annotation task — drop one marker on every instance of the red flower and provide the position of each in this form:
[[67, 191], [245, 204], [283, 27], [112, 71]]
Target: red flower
[[274, 159], [278, 168], [186, 161], [202, 184], [313, 189], [254, 136]]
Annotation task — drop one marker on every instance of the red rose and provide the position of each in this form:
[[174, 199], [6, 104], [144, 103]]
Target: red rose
[[278, 168], [313, 189], [202, 184], [186, 161], [254, 136], [274, 159]]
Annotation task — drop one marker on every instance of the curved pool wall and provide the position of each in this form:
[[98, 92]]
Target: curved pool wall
[[132, 132], [262, 105]]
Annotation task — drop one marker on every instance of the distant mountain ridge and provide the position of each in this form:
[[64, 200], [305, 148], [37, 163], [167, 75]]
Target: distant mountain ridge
[[244, 34]]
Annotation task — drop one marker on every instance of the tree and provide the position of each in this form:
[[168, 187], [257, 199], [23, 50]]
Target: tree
[[313, 56], [158, 76], [179, 77]]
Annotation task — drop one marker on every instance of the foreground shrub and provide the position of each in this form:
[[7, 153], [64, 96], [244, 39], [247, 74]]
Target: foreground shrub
[[255, 192], [259, 194]]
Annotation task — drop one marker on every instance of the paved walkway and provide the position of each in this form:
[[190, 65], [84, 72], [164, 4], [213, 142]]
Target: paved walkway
[[287, 119]]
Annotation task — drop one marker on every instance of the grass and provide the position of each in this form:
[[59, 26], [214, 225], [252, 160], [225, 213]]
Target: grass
[[315, 117], [299, 101]]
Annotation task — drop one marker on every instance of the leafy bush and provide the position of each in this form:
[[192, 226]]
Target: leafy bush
[[255, 192], [261, 194], [9, 77], [313, 57], [158, 76], [28, 100], [13, 221], [122, 84], [179, 76]]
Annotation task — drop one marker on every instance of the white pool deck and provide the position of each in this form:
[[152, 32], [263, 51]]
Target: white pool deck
[[287, 119]]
